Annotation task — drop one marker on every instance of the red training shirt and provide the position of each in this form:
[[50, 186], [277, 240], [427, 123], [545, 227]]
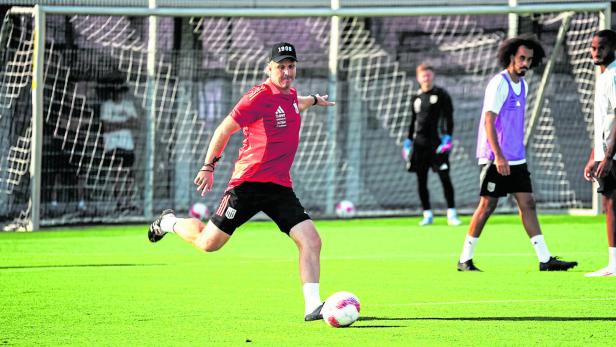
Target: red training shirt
[[270, 122]]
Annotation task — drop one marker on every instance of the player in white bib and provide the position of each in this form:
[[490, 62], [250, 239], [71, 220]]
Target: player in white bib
[[600, 166]]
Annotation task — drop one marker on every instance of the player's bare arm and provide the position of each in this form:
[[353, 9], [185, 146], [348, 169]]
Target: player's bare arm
[[502, 165], [605, 165], [305, 102], [588, 174], [205, 177]]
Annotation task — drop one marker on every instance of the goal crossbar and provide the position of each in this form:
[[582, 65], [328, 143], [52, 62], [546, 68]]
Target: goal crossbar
[[327, 12]]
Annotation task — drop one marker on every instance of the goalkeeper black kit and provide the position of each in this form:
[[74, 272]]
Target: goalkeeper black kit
[[432, 117]]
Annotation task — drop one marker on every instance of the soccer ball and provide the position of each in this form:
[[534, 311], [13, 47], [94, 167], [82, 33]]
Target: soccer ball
[[341, 309], [199, 211], [345, 209]]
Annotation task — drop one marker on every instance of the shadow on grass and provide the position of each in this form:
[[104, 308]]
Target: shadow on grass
[[70, 265], [374, 326], [512, 319]]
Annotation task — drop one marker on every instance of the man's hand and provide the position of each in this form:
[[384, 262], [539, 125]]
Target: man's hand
[[604, 167], [588, 168], [305, 102], [322, 100], [407, 146], [502, 165], [204, 180], [446, 145]]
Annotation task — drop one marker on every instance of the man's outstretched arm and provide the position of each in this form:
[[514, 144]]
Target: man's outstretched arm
[[305, 102]]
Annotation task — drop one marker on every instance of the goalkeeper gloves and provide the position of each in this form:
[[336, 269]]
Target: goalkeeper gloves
[[446, 145], [406, 149]]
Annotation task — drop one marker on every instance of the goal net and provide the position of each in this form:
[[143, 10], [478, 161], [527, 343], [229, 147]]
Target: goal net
[[99, 100]]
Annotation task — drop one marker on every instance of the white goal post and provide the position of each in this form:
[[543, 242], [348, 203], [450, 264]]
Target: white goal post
[[361, 61]]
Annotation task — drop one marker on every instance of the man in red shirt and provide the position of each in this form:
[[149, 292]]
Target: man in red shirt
[[269, 117]]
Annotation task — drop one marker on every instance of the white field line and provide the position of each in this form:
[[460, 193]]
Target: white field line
[[488, 302], [417, 256]]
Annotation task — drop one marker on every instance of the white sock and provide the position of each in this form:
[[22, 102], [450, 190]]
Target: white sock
[[452, 213], [312, 298], [612, 262], [168, 222], [540, 248], [428, 214], [469, 248]]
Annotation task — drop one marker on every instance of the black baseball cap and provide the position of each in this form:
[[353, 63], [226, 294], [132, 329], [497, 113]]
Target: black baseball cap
[[283, 50]]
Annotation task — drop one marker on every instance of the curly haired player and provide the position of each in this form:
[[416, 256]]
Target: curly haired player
[[502, 155]]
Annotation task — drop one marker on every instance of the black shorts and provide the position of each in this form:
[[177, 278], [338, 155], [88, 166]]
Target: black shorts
[[425, 157], [119, 156], [496, 185], [241, 203], [607, 184]]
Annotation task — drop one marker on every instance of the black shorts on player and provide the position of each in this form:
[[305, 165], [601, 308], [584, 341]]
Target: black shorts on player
[[425, 157], [241, 203], [119, 157], [607, 184], [496, 185]]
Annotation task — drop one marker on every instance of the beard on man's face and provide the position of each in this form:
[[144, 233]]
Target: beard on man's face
[[608, 59], [605, 60]]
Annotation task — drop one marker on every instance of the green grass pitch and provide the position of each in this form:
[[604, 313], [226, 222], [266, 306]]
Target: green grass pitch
[[108, 286]]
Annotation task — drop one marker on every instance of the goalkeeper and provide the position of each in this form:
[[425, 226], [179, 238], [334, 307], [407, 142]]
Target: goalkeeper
[[429, 142]]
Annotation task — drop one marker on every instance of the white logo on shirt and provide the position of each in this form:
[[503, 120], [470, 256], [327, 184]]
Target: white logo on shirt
[[517, 103], [296, 108], [433, 99], [281, 118], [417, 105]]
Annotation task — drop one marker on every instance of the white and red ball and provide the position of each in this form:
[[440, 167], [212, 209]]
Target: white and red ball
[[199, 210], [345, 209], [341, 309]]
